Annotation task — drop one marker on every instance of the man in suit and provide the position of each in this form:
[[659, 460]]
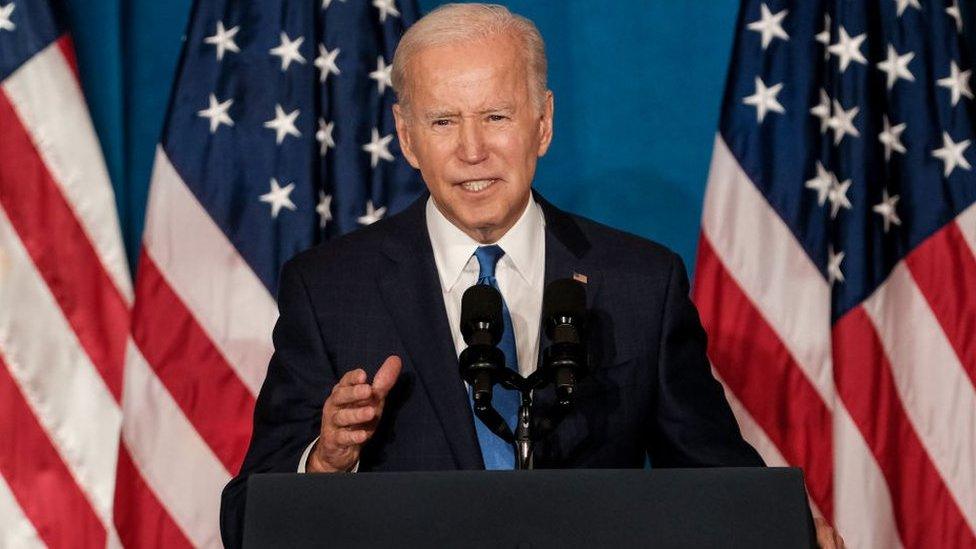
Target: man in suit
[[365, 371]]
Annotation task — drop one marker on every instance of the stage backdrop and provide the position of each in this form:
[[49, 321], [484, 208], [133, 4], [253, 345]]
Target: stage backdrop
[[638, 85]]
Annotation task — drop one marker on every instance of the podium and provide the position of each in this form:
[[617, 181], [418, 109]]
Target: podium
[[718, 507]]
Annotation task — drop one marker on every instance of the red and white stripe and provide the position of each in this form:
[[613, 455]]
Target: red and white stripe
[[65, 297], [202, 325], [880, 409]]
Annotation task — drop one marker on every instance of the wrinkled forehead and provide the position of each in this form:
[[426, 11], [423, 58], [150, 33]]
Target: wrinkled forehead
[[484, 68]]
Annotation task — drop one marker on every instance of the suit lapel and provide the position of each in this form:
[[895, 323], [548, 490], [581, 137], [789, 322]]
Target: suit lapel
[[566, 250], [413, 295]]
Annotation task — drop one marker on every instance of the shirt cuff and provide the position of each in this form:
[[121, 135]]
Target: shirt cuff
[[308, 450], [304, 458]]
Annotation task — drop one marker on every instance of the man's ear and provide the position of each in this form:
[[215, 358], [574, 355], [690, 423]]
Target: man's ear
[[403, 134], [545, 123]]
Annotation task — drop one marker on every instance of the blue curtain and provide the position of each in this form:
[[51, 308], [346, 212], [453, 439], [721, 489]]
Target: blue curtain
[[127, 54]]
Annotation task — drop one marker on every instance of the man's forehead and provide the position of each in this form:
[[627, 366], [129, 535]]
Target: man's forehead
[[490, 53], [481, 75]]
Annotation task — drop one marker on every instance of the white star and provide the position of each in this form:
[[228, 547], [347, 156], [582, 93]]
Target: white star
[[902, 4], [372, 214], [838, 197], [896, 66], [765, 99], [327, 3], [848, 49], [770, 25], [217, 113], [824, 36], [954, 12], [821, 183], [382, 74], [278, 197], [842, 122], [283, 124], [378, 148], [288, 51], [891, 138], [887, 209], [952, 154], [224, 40], [833, 265], [386, 7], [326, 62], [822, 111], [957, 82], [324, 209], [5, 12], [324, 136]]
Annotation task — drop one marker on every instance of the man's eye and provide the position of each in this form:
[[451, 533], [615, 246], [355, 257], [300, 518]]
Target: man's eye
[[442, 122], [497, 117]]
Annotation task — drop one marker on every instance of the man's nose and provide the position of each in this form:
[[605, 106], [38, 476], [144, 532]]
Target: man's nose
[[471, 145]]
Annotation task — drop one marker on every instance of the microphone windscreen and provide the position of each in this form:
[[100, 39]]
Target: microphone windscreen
[[480, 304], [564, 297]]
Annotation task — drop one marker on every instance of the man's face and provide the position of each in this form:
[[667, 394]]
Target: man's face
[[474, 132]]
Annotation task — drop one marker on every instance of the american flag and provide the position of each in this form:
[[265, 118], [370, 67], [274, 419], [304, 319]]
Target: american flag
[[65, 295], [279, 134], [836, 272]]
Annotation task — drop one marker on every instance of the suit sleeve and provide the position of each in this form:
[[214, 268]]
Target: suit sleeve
[[288, 412], [693, 424]]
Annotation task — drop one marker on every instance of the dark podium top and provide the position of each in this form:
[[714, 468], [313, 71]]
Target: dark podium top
[[747, 507]]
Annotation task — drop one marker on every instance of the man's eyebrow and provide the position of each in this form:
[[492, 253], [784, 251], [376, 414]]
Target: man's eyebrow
[[497, 108], [445, 113], [432, 115]]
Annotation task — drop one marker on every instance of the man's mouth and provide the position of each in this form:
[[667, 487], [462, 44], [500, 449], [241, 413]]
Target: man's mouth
[[478, 185]]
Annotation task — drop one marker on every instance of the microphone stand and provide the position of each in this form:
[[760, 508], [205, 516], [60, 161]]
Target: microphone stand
[[482, 364], [523, 433]]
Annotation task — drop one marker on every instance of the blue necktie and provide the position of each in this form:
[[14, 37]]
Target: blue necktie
[[497, 453]]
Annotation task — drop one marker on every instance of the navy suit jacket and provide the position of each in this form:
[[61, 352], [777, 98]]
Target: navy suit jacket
[[354, 301]]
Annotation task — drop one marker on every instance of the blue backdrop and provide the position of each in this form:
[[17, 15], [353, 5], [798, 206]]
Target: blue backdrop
[[638, 84]]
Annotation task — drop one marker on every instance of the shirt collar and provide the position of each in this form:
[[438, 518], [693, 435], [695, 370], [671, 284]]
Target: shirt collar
[[453, 248]]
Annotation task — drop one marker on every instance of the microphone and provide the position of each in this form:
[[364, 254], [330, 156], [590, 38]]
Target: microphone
[[564, 315], [482, 327], [481, 315]]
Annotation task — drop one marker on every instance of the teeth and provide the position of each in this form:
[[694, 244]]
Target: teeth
[[476, 186]]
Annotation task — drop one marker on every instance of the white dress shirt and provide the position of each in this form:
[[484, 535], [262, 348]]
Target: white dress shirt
[[520, 273]]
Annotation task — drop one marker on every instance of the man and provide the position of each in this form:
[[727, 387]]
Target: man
[[365, 373]]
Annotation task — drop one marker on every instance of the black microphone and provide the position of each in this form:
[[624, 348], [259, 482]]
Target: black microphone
[[564, 314], [481, 315], [482, 327]]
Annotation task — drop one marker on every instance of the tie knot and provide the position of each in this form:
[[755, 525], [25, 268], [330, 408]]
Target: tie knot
[[488, 257]]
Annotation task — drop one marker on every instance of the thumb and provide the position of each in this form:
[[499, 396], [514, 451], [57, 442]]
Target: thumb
[[386, 376]]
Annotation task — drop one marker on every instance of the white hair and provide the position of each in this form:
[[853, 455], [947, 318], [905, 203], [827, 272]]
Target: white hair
[[454, 23]]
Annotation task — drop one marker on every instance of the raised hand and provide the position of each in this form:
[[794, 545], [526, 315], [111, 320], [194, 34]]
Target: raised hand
[[350, 416]]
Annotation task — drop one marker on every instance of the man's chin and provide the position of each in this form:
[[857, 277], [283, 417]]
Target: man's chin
[[482, 230]]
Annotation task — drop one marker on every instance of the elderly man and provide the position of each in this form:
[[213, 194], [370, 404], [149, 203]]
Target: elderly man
[[365, 372]]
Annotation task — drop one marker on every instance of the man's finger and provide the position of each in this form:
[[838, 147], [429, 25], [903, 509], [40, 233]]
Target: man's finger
[[348, 394], [346, 438], [386, 376], [347, 417], [353, 377]]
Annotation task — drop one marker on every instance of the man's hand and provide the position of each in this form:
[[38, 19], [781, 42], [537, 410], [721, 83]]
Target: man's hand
[[350, 416], [827, 537]]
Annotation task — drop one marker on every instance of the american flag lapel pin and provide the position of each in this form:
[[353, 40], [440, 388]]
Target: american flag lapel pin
[[580, 277]]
